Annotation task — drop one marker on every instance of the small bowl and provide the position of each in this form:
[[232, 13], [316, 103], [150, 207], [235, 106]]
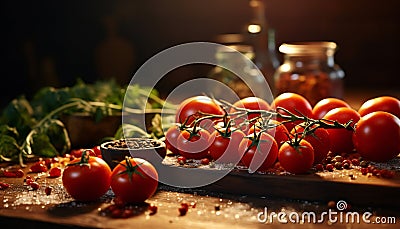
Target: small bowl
[[152, 150]]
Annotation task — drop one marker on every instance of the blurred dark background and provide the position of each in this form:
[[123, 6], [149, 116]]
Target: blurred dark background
[[52, 43]]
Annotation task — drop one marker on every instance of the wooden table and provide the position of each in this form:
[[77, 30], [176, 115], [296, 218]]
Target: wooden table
[[213, 208], [20, 208]]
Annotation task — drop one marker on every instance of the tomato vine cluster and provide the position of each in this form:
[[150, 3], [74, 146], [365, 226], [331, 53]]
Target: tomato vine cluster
[[289, 131]]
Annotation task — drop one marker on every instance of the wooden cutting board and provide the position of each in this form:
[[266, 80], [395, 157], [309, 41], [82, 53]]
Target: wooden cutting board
[[346, 184]]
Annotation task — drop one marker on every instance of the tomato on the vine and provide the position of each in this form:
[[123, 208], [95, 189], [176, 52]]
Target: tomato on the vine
[[377, 136], [318, 138], [294, 103], [225, 145], [260, 151], [134, 180], [382, 103], [87, 178], [191, 107], [193, 144], [274, 128], [324, 105], [297, 159], [341, 139]]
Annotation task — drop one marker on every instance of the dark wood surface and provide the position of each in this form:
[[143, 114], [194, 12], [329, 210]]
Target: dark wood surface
[[239, 196]]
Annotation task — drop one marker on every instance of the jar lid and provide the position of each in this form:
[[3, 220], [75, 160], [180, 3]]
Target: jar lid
[[308, 48]]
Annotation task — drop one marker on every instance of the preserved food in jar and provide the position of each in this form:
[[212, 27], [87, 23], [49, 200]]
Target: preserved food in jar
[[309, 69]]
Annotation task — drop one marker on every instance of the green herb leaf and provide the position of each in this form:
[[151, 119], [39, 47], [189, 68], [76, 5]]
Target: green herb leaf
[[41, 146], [9, 147]]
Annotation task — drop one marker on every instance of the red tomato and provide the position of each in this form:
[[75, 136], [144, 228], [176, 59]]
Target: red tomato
[[171, 137], [377, 136], [275, 129], [225, 147], [87, 179], [193, 105], [193, 146], [341, 139], [134, 180], [251, 103], [382, 103], [294, 103], [323, 106], [259, 154], [318, 138], [296, 159]]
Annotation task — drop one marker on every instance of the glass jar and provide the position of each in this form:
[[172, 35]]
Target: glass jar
[[309, 69], [227, 56]]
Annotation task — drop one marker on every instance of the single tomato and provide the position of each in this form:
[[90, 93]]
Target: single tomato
[[382, 103], [324, 105], [377, 136], [197, 106], [260, 152], [87, 178], [296, 158], [194, 144], [134, 180], [341, 139], [293, 103], [225, 145]]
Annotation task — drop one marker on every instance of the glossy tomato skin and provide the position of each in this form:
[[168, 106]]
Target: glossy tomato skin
[[279, 132], [341, 139], [193, 105], [225, 149], [296, 161], [295, 104], [264, 154], [383, 103], [377, 136], [319, 140], [194, 147], [324, 105], [140, 186], [87, 182], [171, 137]]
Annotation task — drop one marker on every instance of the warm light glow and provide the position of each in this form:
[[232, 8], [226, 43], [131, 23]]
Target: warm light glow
[[254, 28]]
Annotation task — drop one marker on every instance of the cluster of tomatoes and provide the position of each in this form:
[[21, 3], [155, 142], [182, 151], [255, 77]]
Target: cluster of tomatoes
[[255, 134]]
